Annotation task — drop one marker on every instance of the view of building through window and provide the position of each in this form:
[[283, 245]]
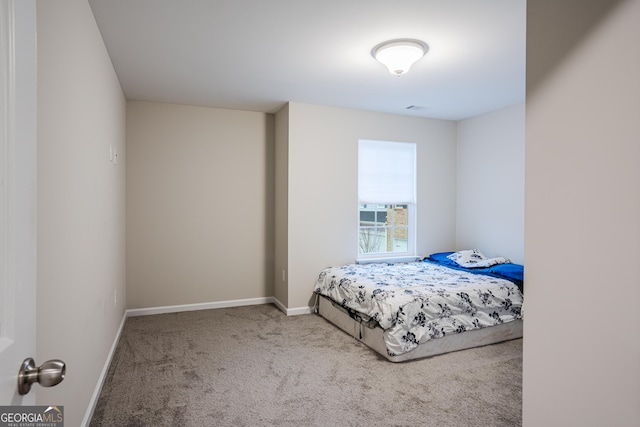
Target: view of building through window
[[383, 228]]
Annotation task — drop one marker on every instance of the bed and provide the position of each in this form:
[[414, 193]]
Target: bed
[[418, 309]]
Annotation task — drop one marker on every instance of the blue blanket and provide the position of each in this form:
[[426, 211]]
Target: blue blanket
[[509, 271]]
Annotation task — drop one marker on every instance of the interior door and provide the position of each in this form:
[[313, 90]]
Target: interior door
[[17, 194]]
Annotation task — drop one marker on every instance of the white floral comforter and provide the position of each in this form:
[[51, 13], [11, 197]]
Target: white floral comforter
[[417, 301]]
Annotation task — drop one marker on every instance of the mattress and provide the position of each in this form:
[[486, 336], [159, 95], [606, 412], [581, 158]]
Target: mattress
[[413, 303]]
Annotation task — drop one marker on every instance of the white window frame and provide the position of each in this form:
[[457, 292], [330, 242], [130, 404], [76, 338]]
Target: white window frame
[[410, 253]]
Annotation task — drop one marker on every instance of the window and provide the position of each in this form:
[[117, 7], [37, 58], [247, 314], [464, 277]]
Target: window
[[384, 229], [386, 198]]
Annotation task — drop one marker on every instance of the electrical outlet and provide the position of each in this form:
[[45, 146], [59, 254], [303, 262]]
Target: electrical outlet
[[115, 298]]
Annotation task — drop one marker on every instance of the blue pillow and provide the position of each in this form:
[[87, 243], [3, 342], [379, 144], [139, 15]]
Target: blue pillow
[[441, 258], [509, 271]]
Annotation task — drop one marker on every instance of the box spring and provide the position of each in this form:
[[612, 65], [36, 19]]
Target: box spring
[[373, 336]]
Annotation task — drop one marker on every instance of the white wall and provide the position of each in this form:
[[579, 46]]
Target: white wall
[[199, 205], [582, 222], [81, 196], [490, 183], [322, 186], [281, 226]]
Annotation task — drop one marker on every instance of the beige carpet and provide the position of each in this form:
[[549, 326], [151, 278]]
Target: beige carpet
[[254, 366]]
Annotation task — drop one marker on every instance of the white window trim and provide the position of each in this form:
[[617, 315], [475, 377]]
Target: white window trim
[[378, 145]]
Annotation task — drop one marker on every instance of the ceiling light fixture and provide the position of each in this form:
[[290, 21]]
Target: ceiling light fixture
[[400, 54]]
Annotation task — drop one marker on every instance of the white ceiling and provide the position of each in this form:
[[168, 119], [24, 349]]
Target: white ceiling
[[256, 55]]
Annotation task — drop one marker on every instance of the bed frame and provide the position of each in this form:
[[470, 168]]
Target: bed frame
[[372, 336]]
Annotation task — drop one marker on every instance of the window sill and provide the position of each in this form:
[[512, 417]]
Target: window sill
[[389, 259]]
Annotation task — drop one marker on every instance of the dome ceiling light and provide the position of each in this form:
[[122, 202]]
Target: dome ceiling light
[[400, 54]]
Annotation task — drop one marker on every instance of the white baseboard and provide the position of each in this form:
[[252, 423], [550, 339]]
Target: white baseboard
[[200, 306], [103, 375], [292, 311], [299, 310], [281, 306], [219, 304]]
